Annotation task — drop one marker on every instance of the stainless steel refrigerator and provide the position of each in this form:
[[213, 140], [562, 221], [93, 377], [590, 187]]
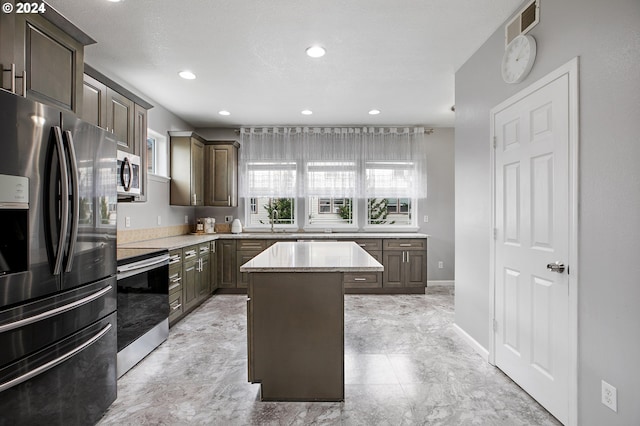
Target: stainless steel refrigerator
[[57, 266]]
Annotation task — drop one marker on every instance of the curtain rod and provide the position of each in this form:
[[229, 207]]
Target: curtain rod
[[427, 130]]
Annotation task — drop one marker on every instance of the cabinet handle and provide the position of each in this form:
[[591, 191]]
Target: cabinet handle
[[176, 279], [174, 259], [407, 257], [12, 72], [190, 254], [24, 82], [229, 200], [359, 279], [405, 244], [174, 286], [403, 256], [176, 307]]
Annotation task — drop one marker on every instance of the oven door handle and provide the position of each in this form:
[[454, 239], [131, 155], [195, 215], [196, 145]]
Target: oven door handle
[[53, 312], [55, 362], [125, 271]]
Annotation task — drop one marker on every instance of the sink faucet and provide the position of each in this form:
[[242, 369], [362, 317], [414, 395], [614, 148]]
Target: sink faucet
[[274, 217]]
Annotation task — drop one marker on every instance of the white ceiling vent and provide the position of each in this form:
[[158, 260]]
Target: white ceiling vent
[[522, 23]]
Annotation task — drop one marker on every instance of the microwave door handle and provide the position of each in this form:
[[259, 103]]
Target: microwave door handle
[[68, 139], [126, 163], [64, 200]]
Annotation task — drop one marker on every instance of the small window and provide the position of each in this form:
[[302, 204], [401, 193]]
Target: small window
[[279, 210], [330, 211], [389, 211], [157, 149], [253, 205]]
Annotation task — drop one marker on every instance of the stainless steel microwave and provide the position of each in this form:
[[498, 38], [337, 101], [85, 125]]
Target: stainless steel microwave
[[129, 174]]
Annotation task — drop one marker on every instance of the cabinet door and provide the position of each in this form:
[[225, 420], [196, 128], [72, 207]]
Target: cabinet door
[[190, 277], [213, 266], [94, 103], [120, 116], [243, 257], [393, 274], [203, 287], [140, 146], [197, 173], [222, 175], [7, 45], [416, 269], [53, 61], [226, 254]]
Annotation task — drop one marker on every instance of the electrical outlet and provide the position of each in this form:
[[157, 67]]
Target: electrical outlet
[[228, 219], [440, 264], [127, 221], [426, 218], [186, 219], [159, 220], [609, 396]]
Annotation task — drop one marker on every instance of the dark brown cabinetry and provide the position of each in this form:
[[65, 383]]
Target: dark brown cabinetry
[[221, 173], [187, 169], [190, 272], [176, 308], [245, 251], [354, 281], [204, 276], [108, 105], [42, 57], [226, 256], [405, 263]]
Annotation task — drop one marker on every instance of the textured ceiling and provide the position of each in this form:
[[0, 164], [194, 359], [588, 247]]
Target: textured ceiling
[[398, 56]]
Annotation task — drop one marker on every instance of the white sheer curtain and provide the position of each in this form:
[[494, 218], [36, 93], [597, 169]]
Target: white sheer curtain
[[336, 162]]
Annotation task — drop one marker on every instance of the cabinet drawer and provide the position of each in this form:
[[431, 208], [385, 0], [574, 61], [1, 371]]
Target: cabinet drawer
[[175, 281], [175, 306], [369, 244], [253, 245], [405, 244], [362, 280], [175, 259], [189, 253]]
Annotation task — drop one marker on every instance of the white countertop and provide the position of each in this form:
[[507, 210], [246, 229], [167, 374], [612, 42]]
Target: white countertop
[[316, 256], [180, 241]]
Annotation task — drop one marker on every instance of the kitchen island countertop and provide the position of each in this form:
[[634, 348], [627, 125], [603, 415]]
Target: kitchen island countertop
[[313, 256]]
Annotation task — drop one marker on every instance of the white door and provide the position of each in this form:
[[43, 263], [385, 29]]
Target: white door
[[532, 220]]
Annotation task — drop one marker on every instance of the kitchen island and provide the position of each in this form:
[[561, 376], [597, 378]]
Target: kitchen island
[[295, 318]]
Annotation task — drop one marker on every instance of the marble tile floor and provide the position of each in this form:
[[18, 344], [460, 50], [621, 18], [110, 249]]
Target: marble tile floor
[[404, 365]]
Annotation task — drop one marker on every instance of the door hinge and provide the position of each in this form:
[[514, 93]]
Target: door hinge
[[495, 142], [495, 325], [495, 233]]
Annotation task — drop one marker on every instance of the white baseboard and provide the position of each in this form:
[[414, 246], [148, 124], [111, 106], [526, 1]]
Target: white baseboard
[[472, 342], [440, 283]]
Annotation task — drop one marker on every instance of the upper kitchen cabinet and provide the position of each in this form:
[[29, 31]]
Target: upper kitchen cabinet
[[187, 169], [42, 57], [108, 105], [221, 173]]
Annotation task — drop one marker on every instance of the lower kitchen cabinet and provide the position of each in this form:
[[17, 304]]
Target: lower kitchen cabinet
[[356, 282], [189, 279], [405, 263], [226, 257], [176, 308], [245, 251]]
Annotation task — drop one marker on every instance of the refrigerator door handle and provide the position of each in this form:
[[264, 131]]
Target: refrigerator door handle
[[68, 139], [53, 363], [64, 200]]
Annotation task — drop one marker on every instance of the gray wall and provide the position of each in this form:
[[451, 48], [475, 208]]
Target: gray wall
[[145, 215], [438, 205], [606, 37]]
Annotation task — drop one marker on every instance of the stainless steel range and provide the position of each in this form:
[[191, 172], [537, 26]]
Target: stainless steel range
[[143, 304]]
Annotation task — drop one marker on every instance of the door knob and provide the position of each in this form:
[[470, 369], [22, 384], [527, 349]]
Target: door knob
[[556, 267]]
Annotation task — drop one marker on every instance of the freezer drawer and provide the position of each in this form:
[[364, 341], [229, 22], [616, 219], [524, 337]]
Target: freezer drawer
[[71, 382]]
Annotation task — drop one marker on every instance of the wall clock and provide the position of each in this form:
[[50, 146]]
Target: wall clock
[[518, 58]]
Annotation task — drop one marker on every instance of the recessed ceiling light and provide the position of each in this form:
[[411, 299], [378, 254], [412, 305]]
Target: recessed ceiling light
[[224, 112], [374, 112], [315, 51], [187, 75], [306, 112]]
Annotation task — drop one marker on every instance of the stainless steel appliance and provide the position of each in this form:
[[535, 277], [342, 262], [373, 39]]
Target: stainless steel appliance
[[129, 169], [57, 266], [143, 304]]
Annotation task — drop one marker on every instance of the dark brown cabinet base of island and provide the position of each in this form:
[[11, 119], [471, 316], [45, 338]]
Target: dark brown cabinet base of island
[[295, 333]]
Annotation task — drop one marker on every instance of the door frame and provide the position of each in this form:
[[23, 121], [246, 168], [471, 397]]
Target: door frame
[[570, 69]]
